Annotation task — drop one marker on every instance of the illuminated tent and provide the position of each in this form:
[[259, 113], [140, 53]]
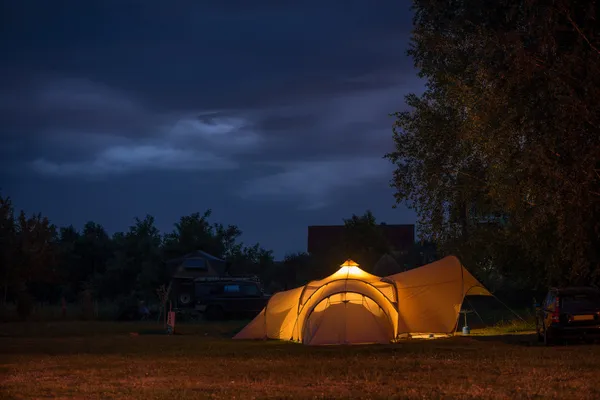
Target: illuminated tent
[[430, 297], [353, 307]]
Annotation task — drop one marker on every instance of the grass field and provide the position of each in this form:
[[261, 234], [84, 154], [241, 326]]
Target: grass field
[[103, 360]]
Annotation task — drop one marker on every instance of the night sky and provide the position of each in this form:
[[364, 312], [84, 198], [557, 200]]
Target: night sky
[[274, 116]]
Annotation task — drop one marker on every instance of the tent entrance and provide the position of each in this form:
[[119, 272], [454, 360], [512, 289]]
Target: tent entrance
[[345, 318]]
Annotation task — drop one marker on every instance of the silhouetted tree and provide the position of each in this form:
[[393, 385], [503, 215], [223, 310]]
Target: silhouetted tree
[[40, 263], [8, 236], [35, 261], [364, 240], [500, 157], [193, 232], [297, 269]]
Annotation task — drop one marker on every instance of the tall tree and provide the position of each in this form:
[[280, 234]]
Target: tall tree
[[8, 237], [254, 260], [93, 248], [136, 268], [364, 240], [69, 261], [500, 156], [36, 258], [144, 249], [297, 269], [196, 232], [193, 232]]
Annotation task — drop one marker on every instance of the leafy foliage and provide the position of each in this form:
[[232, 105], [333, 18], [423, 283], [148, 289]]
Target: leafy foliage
[[43, 263], [500, 157], [40, 261], [364, 241]]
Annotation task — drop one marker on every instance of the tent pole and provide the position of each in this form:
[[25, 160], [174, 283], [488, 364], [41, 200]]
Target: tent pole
[[265, 327], [462, 279], [462, 294], [476, 313]]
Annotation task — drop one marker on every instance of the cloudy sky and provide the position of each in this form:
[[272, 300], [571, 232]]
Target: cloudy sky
[[274, 116]]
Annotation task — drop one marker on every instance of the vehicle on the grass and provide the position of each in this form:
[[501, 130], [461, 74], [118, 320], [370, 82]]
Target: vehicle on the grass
[[218, 298], [569, 313]]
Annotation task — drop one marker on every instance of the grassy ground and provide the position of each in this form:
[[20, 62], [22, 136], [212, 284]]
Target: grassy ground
[[110, 361]]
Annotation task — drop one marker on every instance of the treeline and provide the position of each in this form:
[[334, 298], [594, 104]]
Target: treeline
[[500, 157], [41, 262]]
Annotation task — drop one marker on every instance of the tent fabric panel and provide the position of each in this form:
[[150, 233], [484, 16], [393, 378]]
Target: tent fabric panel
[[388, 291], [367, 323], [255, 329], [430, 297], [448, 269], [347, 273], [385, 287], [431, 309], [307, 292], [344, 273], [326, 326], [281, 314], [478, 291], [340, 286], [276, 320], [347, 323]]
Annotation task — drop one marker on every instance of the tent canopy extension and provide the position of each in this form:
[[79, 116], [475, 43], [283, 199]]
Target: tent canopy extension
[[352, 306]]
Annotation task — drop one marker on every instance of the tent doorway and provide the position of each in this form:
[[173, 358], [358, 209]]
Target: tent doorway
[[347, 318]]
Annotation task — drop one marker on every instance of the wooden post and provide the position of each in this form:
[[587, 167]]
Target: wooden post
[[166, 313], [163, 296], [170, 320]]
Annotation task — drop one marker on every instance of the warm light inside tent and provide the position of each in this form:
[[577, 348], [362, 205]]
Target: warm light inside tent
[[351, 268], [353, 307]]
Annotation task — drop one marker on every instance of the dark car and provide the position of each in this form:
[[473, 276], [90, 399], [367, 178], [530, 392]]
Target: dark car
[[229, 298], [569, 313]]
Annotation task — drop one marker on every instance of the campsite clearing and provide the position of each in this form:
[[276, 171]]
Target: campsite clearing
[[96, 360]]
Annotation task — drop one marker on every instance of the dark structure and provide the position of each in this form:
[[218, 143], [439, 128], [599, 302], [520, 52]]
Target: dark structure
[[225, 298], [387, 265], [195, 265], [184, 270], [321, 238]]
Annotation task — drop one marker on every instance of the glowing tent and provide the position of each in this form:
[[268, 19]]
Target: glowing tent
[[352, 306], [430, 297]]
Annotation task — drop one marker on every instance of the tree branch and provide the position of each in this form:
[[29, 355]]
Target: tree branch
[[581, 33]]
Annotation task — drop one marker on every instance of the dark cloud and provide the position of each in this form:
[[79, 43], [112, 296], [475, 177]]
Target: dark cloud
[[268, 103], [194, 54]]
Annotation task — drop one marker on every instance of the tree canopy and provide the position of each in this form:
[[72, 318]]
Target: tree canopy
[[40, 260], [500, 156]]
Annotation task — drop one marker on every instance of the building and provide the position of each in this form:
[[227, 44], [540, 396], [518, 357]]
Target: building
[[321, 238]]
